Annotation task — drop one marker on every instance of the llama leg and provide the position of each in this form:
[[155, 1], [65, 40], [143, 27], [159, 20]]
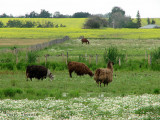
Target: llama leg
[[100, 84], [70, 73], [97, 83]]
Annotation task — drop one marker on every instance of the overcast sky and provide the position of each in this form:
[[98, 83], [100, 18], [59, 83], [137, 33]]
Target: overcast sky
[[147, 8]]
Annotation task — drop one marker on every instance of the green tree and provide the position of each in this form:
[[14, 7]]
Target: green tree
[[148, 21], [118, 9], [32, 14], [95, 22], [1, 24], [44, 14], [153, 22], [118, 19], [138, 20], [81, 15]]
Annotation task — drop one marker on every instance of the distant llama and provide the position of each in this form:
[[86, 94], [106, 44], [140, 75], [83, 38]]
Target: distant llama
[[84, 40]]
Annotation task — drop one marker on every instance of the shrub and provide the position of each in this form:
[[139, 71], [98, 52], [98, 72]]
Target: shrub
[[8, 66], [21, 66], [14, 23], [95, 22], [28, 24], [1, 24], [156, 55], [32, 56], [156, 91], [113, 55]]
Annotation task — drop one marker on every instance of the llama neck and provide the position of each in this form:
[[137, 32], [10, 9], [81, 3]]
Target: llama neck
[[110, 67]]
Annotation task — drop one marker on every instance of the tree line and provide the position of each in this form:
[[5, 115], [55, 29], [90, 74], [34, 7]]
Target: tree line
[[47, 14], [115, 19], [29, 24]]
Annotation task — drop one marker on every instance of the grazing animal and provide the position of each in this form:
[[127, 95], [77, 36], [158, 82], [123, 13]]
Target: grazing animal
[[39, 72], [84, 40], [104, 75], [79, 69]]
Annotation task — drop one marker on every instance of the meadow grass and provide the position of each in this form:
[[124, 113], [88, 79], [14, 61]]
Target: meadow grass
[[64, 87], [134, 49], [131, 94]]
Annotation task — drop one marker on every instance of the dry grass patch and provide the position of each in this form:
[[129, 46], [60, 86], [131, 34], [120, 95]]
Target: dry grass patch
[[21, 42]]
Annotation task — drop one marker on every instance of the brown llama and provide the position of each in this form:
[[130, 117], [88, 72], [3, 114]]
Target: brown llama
[[84, 40], [104, 75], [79, 69]]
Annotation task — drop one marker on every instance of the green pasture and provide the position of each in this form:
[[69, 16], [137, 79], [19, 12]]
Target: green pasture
[[132, 48], [14, 85], [135, 54]]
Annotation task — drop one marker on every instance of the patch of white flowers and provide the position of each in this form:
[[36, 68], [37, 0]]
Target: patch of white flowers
[[83, 108]]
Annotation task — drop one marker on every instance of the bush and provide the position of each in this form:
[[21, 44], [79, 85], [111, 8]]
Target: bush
[[95, 22], [29, 24], [32, 56], [156, 55], [14, 23], [21, 66], [1, 24], [156, 91], [8, 66], [112, 54]]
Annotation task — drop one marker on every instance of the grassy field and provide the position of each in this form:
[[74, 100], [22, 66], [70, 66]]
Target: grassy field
[[124, 83], [133, 94], [98, 46]]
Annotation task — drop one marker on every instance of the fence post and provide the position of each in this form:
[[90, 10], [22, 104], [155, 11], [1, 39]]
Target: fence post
[[126, 57], [38, 60], [86, 56], [62, 57], [16, 54], [149, 59], [16, 58], [46, 58], [119, 61], [89, 59], [145, 55], [67, 59], [96, 59]]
